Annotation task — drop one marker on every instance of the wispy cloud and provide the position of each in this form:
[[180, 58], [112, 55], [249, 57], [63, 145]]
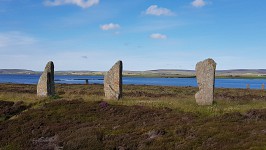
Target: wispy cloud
[[84, 57], [110, 26], [15, 38], [80, 3], [158, 36], [158, 11], [198, 3]]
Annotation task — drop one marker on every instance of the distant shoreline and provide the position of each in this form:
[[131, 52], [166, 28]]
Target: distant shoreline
[[160, 73], [155, 75]]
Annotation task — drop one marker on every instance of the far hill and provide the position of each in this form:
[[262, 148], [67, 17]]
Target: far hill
[[16, 71], [168, 73]]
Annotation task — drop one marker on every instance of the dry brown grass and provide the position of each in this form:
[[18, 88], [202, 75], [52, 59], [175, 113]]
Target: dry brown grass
[[148, 117]]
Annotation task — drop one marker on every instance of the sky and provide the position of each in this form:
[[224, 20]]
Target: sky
[[144, 34]]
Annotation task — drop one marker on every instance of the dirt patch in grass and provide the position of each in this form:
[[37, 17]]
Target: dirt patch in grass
[[100, 125]]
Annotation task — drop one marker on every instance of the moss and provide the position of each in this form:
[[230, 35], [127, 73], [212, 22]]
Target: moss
[[11, 146]]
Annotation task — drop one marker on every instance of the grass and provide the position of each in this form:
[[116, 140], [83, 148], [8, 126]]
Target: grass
[[242, 76], [219, 108], [148, 117], [176, 98]]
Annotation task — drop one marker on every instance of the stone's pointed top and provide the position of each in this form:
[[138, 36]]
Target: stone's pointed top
[[50, 63], [49, 66], [119, 62], [118, 65], [208, 61]]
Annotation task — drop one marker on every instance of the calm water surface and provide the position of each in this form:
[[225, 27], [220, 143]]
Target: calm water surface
[[224, 83]]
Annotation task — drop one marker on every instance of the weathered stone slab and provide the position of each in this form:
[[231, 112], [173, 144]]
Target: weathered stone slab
[[205, 73], [248, 86], [46, 85], [113, 82]]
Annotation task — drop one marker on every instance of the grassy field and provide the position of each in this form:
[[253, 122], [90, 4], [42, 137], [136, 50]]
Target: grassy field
[[148, 117]]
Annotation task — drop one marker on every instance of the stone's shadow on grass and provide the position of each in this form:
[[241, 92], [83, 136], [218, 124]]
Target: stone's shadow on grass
[[54, 97]]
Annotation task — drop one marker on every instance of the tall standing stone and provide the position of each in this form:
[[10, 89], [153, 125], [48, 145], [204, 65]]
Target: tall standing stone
[[113, 82], [248, 86], [46, 85], [205, 73]]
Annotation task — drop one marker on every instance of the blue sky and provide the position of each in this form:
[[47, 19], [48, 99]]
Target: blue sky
[[144, 34]]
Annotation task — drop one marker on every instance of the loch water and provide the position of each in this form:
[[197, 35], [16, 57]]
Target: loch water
[[76, 79]]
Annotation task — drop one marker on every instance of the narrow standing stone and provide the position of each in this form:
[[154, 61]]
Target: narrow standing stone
[[205, 73], [262, 86], [248, 86], [86, 81], [46, 85], [113, 82]]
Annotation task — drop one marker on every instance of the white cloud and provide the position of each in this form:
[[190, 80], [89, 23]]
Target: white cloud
[[198, 3], [110, 26], [15, 38], [80, 3], [158, 11], [84, 57], [158, 36]]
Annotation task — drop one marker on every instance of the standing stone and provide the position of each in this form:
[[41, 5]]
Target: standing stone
[[45, 85], [113, 82], [205, 73], [87, 81], [262, 86]]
